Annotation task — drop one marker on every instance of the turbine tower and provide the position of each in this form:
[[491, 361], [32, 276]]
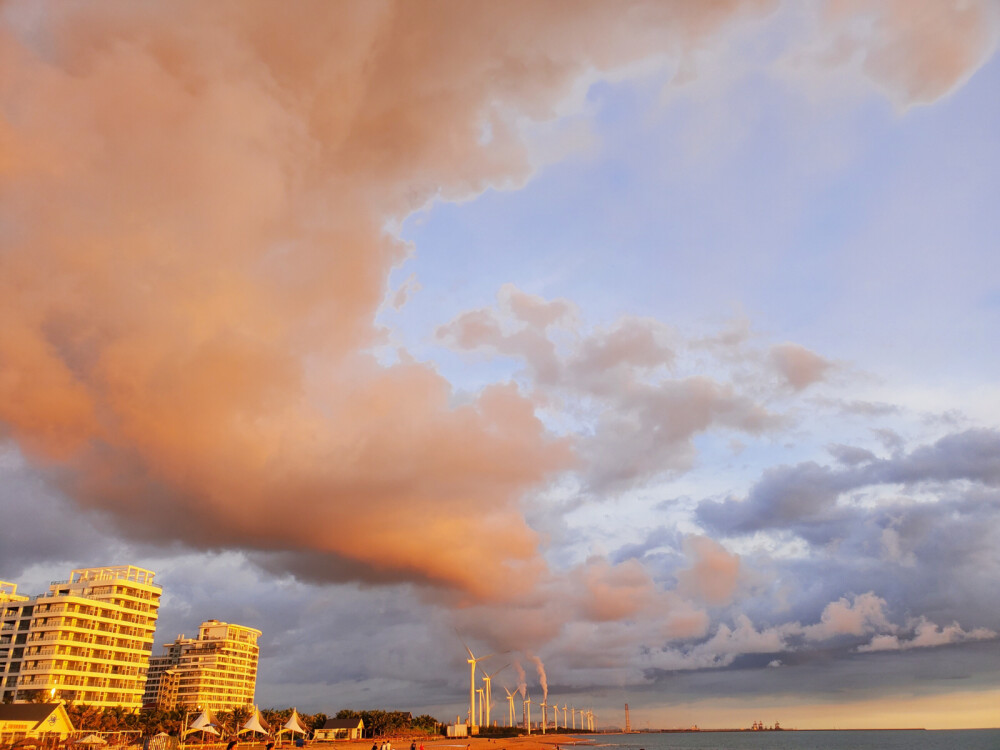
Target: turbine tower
[[527, 713], [545, 714], [565, 723], [481, 693], [473, 661], [510, 700], [555, 716], [573, 711]]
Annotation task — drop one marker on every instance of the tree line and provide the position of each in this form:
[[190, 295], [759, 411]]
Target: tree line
[[391, 722], [151, 722]]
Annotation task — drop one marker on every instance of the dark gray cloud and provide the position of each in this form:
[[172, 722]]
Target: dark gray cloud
[[850, 455], [973, 455], [804, 497], [801, 497], [918, 529], [660, 537], [820, 673], [36, 518]]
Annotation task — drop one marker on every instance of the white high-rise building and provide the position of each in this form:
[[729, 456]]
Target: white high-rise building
[[217, 670], [86, 640]]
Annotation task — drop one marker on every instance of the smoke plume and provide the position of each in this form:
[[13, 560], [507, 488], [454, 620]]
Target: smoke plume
[[542, 679], [522, 681]]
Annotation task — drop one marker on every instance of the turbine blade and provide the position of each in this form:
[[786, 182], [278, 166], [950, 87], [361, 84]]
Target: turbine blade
[[464, 644]]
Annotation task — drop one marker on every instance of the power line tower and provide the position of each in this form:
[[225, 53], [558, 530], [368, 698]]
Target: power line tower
[[628, 724]]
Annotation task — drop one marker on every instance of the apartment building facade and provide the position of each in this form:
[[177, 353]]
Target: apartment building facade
[[87, 640], [216, 671], [15, 620]]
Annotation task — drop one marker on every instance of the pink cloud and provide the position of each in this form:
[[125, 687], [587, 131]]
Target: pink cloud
[[798, 366], [927, 635], [861, 615], [918, 52], [714, 573], [194, 199]]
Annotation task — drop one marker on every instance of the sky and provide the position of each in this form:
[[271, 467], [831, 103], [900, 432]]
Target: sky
[[651, 346]]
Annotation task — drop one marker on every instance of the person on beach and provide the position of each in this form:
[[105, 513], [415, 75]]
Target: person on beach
[[231, 745]]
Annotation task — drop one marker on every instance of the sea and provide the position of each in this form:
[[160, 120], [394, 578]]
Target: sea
[[887, 739]]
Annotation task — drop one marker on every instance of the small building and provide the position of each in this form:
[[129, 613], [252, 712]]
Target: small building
[[341, 729], [33, 721], [458, 730]]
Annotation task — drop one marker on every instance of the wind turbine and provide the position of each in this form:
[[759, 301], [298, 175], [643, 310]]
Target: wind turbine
[[489, 690], [555, 725], [545, 713], [510, 700], [473, 661], [565, 723], [527, 713], [573, 710]]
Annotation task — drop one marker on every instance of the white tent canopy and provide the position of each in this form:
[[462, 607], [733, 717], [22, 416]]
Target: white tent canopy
[[206, 722], [293, 724], [255, 724]]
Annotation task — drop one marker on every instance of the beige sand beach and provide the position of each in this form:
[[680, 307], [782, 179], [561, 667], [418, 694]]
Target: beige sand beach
[[534, 742]]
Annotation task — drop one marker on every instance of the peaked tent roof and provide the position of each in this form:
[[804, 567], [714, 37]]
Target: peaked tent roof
[[255, 724], [293, 724], [206, 722], [205, 719]]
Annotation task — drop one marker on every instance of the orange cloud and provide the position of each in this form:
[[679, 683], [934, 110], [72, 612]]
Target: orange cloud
[[193, 200]]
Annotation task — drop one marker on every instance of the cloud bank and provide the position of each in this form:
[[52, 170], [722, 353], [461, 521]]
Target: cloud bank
[[198, 207]]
